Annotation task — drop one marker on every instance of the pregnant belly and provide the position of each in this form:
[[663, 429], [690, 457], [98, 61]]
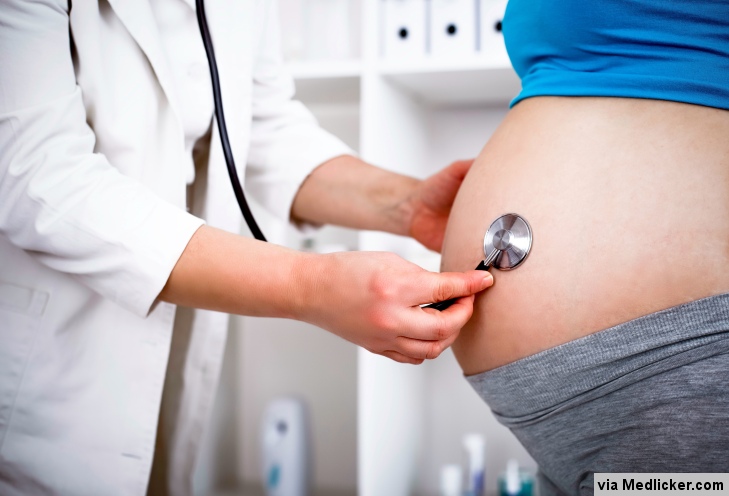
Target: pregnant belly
[[629, 204]]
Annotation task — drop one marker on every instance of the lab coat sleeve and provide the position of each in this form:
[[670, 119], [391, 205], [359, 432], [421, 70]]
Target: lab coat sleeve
[[286, 140], [63, 204]]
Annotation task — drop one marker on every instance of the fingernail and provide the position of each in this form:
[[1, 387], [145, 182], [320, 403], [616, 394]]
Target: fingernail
[[488, 278]]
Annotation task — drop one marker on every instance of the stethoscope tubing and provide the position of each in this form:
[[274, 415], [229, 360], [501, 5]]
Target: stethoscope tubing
[[222, 128]]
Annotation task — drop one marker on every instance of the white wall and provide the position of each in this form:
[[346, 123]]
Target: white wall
[[459, 133]]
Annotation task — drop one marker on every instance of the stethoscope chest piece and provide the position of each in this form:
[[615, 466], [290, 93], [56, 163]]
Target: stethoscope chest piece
[[511, 234], [505, 246]]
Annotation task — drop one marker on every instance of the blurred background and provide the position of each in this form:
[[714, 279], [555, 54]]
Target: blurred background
[[412, 85]]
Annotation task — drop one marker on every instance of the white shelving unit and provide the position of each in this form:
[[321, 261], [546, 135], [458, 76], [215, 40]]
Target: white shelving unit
[[327, 82], [404, 422]]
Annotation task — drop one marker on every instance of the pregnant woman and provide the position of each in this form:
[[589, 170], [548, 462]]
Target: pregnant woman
[[608, 349]]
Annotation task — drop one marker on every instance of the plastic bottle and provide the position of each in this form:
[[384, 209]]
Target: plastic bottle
[[515, 482], [286, 447], [475, 446], [451, 480]]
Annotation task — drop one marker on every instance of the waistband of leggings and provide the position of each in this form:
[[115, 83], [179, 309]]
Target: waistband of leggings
[[594, 365]]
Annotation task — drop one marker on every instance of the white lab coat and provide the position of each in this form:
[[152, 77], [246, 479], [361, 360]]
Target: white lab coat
[[92, 220]]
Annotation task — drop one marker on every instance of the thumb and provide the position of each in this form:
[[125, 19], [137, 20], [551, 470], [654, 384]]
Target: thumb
[[447, 285]]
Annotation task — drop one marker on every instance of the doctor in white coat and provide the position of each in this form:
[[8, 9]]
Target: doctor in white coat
[[106, 136]]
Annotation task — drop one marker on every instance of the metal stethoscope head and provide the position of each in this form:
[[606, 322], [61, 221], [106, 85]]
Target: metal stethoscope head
[[507, 242], [506, 245]]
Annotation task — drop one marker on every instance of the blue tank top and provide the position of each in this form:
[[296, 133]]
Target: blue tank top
[[659, 49]]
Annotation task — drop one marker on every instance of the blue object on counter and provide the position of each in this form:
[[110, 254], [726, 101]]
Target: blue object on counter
[[515, 482]]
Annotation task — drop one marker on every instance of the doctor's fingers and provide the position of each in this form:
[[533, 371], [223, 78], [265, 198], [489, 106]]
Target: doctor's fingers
[[425, 333], [434, 287], [416, 349], [429, 324], [399, 357]]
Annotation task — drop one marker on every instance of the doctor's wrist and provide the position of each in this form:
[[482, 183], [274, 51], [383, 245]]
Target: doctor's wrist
[[397, 203], [307, 287]]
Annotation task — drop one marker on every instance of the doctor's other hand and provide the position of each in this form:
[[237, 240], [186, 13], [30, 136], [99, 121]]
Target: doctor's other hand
[[373, 299], [431, 201]]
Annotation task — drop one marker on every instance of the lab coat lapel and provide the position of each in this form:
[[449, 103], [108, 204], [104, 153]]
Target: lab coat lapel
[[138, 18]]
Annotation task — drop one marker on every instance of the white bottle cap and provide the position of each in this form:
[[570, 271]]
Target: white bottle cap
[[451, 480], [475, 445], [513, 480]]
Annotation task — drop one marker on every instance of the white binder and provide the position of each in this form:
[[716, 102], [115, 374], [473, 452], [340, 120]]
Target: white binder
[[492, 45], [453, 28], [403, 29]]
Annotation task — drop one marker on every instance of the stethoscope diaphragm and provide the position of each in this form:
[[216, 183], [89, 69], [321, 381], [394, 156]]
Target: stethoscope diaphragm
[[511, 235]]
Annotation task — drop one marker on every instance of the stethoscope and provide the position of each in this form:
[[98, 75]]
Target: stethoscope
[[222, 128], [505, 245]]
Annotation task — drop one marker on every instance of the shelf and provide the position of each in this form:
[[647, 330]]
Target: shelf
[[256, 490], [443, 83], [327, 81], [437, 82]]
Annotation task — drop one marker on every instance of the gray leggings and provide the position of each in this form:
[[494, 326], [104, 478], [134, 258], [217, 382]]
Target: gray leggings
[[649, 395]]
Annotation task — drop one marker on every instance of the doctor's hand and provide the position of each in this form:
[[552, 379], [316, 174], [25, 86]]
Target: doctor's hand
[[346, 191], [373, 299], [431, 201], [369, 298]]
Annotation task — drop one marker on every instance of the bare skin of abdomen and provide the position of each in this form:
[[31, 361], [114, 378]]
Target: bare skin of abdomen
[[628, 201]]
